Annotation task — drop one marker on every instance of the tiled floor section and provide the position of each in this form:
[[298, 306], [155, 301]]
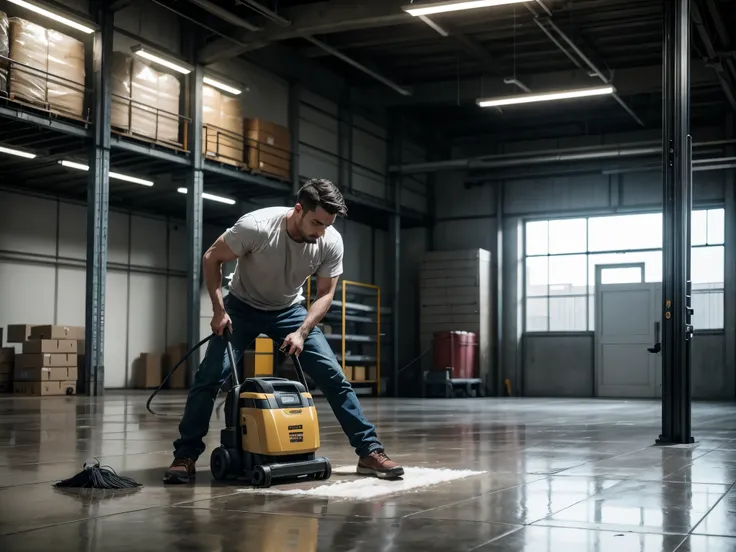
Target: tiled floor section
[[561, 475]]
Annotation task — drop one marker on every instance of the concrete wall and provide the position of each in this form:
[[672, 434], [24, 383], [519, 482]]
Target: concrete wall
[[558, 364]]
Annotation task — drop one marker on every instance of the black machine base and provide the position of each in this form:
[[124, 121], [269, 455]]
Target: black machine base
[[452, 386], [231, 463]]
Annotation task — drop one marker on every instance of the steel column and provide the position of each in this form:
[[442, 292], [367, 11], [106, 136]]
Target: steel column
[[499, 289], [195, 215], [677, 331], [295, 101], [98, 187], [393, 183]]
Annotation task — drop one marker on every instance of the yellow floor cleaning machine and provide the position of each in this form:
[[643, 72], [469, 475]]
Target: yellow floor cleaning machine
[[271, 430]]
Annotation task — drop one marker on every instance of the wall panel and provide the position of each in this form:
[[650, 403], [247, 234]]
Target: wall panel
[[117, 358], [146, 316], [70, 296]]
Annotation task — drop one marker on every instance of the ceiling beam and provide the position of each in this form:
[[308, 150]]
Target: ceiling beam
[[310, 19]]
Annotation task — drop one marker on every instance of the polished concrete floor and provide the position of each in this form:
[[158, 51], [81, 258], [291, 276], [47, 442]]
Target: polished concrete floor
[[560, 475]]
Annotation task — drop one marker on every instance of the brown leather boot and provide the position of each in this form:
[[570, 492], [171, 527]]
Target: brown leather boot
[[380, 465], [182, 470]]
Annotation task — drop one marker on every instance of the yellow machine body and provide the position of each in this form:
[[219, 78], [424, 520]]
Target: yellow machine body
[[278, 431]]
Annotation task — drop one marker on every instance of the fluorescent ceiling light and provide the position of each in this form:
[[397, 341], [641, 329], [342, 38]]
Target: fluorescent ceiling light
[[19, 153], [531, 98], [434, 25], [140, 51], [73, 165], [211, 197], [443, 7], [51, 15], [113, 175], [221, 86]]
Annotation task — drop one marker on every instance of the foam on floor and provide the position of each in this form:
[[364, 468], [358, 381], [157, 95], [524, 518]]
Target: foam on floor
[[371, 487]]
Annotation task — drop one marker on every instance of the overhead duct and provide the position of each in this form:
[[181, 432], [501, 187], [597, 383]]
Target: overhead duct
[[588, 153]]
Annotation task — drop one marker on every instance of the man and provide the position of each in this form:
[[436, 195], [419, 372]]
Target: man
[[277, 249]]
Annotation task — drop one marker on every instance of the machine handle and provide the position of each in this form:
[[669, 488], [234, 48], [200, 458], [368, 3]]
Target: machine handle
[[226, 334]]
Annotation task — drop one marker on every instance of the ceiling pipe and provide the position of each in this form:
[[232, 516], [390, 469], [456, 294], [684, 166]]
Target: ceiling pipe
[[587, 153], [264, 11], [225, 15], [360, 67]]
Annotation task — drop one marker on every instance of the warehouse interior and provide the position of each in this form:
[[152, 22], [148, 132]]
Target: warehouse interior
[[537, 308]]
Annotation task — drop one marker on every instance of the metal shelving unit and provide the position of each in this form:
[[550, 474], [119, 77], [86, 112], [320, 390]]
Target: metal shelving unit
[[357, 331]]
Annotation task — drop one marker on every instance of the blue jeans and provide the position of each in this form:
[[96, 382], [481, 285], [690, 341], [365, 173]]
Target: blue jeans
[[317, 359]]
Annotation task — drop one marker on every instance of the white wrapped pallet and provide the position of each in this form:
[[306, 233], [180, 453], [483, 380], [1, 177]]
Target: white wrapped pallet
[[65, 89], [169, 91], [4, 51], [120, 87], [28, 46]]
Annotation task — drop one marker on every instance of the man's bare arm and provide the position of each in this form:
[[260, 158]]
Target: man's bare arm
[[325, 294], [212, 261]]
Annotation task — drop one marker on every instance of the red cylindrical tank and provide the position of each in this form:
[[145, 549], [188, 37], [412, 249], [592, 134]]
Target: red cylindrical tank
[[455, 350]]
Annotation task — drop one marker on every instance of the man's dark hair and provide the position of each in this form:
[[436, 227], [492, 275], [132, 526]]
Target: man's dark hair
[[320, 192]]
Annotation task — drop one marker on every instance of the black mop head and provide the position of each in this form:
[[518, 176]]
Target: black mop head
[[95, 477]]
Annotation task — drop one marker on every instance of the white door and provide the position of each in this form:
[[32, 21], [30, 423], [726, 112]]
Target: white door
[[627, 326]]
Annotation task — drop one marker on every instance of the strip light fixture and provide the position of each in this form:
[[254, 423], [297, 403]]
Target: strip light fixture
[[423, 8], [111, 174], [139, 50], [545, 97], [51, 15], [221, 85], [211, 197], [18, 153]]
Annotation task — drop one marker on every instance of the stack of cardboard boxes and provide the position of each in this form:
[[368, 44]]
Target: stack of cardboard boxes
[[269, 148], [7, 359], [49, 362]]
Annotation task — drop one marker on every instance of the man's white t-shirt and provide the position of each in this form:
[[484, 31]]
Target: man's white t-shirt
[[272, 268]]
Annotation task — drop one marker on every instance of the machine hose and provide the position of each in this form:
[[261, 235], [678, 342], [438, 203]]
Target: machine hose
[[300, 375]]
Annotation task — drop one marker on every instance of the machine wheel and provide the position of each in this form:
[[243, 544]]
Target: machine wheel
[[326, 474], [262, 476], [220, 463]]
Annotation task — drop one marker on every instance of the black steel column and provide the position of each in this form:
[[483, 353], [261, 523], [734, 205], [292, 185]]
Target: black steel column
[[92, 381], [195, 223], [393, 182], [677, 331], [294, 115]]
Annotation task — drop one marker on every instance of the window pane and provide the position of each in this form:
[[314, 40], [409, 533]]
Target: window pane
[[566, 314], [707, 267], [707, 310], [628, 275], [567, 236], [536, 314], [536, 275], [652, 264], [699, 228], [716, 226], [591, 313], [567, 275], [536, 237], [625, 232]]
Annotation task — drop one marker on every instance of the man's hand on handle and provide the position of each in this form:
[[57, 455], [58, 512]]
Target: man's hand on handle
[[220, 321]]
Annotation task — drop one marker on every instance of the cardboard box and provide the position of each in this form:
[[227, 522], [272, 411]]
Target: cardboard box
[[372, 373], [349, 373], [37, 374], [19, 333], [7, 355], [65, 87], [222, 130], [359, 373], [66, 346], [147, 370], [57, 332], [44, 388], [266, 133], [174, 354], [45, 360]]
